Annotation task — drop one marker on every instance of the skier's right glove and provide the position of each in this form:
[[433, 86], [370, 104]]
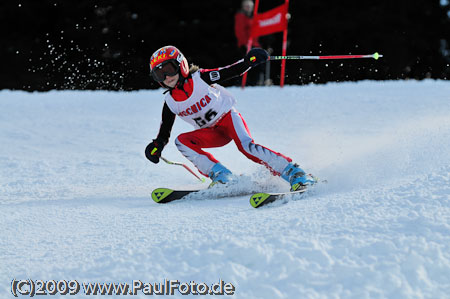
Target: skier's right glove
[[256, 56], [153, 150]]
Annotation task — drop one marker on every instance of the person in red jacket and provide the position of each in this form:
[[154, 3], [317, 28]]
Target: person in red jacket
[[195, 96], [242, 29], [243, 26]]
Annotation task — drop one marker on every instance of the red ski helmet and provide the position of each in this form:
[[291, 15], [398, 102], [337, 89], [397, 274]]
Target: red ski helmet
[[168, 60]]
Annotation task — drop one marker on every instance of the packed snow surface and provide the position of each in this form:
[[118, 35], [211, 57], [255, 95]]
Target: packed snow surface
[[75, 193]]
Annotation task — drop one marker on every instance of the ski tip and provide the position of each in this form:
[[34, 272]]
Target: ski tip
[[158, 195], [258, 199]]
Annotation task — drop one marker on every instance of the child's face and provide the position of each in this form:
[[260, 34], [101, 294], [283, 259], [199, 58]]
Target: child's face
[[171, 81]]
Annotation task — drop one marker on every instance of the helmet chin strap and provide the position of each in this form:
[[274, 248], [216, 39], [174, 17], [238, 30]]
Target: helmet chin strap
[[179, 84], [181, 80]]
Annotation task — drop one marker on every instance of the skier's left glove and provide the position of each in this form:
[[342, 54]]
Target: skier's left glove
[[256, 56], [153, 150]]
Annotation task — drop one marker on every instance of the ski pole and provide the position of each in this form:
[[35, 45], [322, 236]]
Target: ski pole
[[185, 166], [375, 56]]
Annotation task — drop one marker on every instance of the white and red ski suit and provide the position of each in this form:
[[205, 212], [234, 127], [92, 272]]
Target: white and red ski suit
[[209, 107]]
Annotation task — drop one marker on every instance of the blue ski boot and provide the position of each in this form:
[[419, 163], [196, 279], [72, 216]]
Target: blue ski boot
[[297, 177], [219, 174]]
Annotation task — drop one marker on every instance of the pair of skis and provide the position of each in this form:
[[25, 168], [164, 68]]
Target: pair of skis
[[165, 195]]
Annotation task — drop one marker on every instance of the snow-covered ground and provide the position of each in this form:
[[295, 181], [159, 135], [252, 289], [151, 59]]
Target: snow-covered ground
[[75, 193]]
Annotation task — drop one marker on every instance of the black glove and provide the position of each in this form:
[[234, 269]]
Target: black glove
[[153, 150], [256, 56]]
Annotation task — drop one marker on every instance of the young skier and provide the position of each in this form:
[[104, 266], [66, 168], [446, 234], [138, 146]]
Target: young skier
[[194, 95]]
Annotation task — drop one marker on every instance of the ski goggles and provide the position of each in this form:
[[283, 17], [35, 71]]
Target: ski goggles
[[167, 68]]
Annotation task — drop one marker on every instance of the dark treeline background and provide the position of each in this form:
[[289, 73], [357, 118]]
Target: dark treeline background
[[90, 44]]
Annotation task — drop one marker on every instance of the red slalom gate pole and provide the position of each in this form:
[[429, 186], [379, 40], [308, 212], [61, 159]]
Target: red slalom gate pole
[[284, 48]]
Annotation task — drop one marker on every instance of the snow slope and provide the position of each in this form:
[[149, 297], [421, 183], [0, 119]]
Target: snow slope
[[75, 193]]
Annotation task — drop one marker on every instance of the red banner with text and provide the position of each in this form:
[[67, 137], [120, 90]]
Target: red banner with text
[[270, 21]]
